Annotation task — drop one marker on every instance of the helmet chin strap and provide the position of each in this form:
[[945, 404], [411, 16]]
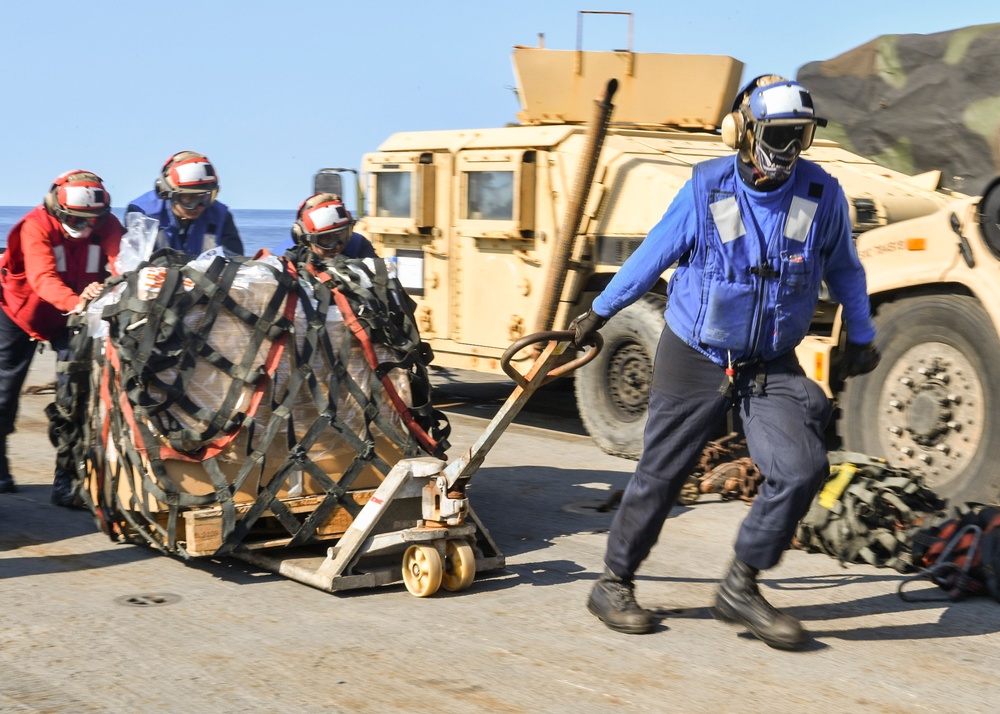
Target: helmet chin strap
[[760, 180]]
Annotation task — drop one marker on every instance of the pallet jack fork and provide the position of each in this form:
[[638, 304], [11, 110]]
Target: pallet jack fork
[[420, 512]]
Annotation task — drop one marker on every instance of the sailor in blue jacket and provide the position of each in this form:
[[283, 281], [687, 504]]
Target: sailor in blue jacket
[[752, 235], [184, 201]]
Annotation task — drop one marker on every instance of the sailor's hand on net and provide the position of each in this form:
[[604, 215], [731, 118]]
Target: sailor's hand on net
[[586, 325], [91, 291], [88, 294]]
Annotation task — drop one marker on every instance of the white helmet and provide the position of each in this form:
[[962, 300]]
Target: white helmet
[[323, 220], [773, 121], [78, 200], [189, 179]]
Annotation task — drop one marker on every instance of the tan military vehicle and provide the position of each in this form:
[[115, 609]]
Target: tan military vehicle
[[500, 232]]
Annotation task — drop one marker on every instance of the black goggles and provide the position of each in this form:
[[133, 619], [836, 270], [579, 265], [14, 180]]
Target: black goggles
[[329, 240], [77, 223], [191, 201], [781, 138]]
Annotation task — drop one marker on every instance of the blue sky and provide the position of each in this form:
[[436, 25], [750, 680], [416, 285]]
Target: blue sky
[[272, 90]]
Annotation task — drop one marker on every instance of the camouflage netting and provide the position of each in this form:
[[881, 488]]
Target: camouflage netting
[[917, 103], [267, 392]]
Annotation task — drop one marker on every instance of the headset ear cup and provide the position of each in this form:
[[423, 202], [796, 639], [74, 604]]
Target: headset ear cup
[[733, 129], [298, 230]]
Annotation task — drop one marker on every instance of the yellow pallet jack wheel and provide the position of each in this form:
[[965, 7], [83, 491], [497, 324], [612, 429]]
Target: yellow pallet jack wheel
[[422, 570], [459, 566]]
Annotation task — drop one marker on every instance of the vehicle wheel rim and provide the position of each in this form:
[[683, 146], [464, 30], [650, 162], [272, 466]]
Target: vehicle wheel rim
[[931, 412], [629, 371]]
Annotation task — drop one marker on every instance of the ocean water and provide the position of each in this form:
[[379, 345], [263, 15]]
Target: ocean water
[[259, 228]]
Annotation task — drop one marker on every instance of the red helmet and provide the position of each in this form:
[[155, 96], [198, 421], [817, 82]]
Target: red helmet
[[323, 220], [78, 195], [188, 177]]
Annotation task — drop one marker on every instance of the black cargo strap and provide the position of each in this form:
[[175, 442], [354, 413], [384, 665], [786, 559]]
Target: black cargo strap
[[177, 347], [867, 512], [68, 410], [394, 328]]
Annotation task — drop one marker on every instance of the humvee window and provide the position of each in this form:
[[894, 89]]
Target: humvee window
[[392, 195], [491, 195]]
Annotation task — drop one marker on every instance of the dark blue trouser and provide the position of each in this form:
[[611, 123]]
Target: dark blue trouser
[[784, 417], [17, 349]]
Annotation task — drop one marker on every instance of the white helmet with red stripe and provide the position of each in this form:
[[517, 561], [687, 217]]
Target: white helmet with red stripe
[[323, 220], [188, 175], [78, 200], [78, 193]]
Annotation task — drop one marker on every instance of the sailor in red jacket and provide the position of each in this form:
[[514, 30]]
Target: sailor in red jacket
[[57, 259]]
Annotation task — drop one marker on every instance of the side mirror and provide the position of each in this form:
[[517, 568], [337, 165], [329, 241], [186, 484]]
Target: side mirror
[[328, 181], [332, 181]]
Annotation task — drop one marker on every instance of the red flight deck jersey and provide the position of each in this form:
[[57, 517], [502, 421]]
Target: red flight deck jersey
[[43, 272]]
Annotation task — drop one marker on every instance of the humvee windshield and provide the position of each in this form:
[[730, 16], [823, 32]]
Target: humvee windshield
[[392, 195], [491, 195]]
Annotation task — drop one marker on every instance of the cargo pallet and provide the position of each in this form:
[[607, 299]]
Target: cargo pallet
[[417, 526]]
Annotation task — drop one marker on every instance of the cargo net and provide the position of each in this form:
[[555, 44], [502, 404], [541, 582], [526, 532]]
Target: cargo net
[[235, 402]]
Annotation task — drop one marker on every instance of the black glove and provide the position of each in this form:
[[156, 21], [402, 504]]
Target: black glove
[[858, 359], [585, 325]]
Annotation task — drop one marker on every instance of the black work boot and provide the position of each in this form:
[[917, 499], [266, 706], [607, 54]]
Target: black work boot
[[613, 601], [739, 602], [7, 484], [64, 490]]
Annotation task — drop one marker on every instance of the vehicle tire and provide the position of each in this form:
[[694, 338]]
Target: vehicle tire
[[612, 391], [932, 405]]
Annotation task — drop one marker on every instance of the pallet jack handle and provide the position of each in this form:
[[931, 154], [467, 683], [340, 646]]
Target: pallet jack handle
[[558, 335], [541, 372]]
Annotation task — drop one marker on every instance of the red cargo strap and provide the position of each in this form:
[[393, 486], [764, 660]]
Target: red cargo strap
[[429, 444]]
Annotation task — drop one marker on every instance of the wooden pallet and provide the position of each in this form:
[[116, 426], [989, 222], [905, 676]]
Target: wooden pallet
[[203, 526]]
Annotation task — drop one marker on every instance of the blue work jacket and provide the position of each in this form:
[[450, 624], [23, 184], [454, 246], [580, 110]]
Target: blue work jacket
[[749, 263], [212, 228]]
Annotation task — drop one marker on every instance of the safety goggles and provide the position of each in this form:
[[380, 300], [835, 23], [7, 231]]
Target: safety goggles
[[328, 240], [782, 138], [77, 223], [190, 201]]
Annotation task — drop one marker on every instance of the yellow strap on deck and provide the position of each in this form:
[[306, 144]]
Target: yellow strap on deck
[[841, 476]]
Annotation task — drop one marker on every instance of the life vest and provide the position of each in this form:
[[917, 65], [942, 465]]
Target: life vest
[[749, 287], [78, 264], [201, 234]]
